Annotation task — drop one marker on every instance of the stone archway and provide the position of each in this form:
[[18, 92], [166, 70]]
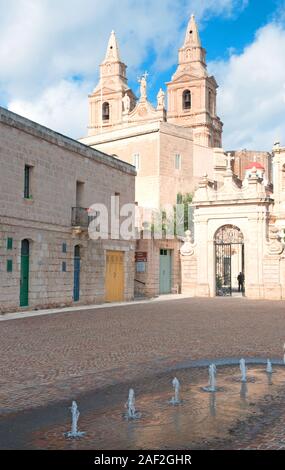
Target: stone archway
[[229, 260]]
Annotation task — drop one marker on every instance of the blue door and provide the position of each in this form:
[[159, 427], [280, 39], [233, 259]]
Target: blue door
[[76, 284]]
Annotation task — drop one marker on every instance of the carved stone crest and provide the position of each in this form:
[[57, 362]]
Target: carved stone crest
[[188, 248], [275, 245]]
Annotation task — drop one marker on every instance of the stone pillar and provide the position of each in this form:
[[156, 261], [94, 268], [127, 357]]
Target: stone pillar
[[282, 275], [188, 266], [273, 266], [203, 289]]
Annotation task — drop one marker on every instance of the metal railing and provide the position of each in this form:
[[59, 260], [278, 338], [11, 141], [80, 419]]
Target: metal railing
[[82, 217]]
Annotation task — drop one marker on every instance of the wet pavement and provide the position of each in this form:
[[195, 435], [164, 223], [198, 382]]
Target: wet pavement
[[233, 417], [53, 359]]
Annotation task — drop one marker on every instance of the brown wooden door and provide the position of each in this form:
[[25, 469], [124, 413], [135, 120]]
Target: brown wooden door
[[114, 281]]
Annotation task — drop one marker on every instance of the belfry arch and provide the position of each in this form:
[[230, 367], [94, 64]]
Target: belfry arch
[[229, 260]]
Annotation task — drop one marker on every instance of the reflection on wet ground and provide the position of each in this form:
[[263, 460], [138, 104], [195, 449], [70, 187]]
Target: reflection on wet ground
[[202, 420]]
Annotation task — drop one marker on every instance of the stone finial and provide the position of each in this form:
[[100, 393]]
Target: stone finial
[[112, 53], [229, 158], [277, 149], [161, 99], [192, 37]]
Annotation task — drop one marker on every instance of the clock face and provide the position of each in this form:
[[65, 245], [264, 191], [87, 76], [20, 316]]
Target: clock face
[[142, 111]]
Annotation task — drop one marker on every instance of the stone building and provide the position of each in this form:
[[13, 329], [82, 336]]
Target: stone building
[[239, 228], [47, 181], [243, 160]]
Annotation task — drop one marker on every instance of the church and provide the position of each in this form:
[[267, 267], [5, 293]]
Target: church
[[176, 148], [148, 156], [171, 147]]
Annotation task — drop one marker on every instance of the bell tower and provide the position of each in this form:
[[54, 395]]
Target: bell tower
[[106, 101], [192, 93]]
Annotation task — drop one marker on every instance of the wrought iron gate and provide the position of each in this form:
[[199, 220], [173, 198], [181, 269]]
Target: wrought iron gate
[[229, 259]]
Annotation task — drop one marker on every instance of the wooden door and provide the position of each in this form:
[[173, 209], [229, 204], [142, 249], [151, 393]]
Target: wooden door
[[114, 280]]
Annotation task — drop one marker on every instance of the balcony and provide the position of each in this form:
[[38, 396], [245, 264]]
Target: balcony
[[81, 217]]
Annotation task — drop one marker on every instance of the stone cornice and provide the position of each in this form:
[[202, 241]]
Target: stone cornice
[[139, 130], [11, 119], [233, 202]]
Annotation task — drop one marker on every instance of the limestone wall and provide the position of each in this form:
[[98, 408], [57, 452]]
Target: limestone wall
[[45, 219]]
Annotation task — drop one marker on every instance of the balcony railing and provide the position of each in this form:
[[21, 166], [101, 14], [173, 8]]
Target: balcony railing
[[82, 217]]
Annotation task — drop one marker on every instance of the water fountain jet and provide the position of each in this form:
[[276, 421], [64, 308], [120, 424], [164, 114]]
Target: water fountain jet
[[130, 405], [243, 370], [74, 433], [176, 385], [212, 379], [269, 367]]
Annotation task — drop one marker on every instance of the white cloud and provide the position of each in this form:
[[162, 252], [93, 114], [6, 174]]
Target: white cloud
[[43, 44], [62, 107], [251, 98]]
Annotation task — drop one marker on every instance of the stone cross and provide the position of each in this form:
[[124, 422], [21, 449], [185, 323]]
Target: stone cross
[[229, 159]]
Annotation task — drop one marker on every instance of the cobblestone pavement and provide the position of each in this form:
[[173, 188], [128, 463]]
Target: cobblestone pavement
[[50, 358]]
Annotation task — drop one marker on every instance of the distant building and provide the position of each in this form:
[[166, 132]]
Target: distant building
[[245, 159]]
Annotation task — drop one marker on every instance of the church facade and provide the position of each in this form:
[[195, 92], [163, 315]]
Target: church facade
[[177, 149], [170, 146]]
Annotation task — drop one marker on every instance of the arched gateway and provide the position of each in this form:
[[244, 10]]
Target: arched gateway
[[229, 259]]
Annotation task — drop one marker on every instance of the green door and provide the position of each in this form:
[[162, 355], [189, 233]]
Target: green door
[[165, 272], [24, 281]]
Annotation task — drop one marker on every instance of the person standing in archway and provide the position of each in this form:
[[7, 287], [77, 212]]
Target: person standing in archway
[[240, 279]]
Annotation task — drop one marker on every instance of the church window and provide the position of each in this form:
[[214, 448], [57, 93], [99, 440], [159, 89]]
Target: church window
[[178, 161], [210, 102], [136, 161], [188, 54], [106, 111], [186, 99]]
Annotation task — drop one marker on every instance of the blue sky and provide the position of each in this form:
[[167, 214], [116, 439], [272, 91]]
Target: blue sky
[[223, 34], [50, 51]]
